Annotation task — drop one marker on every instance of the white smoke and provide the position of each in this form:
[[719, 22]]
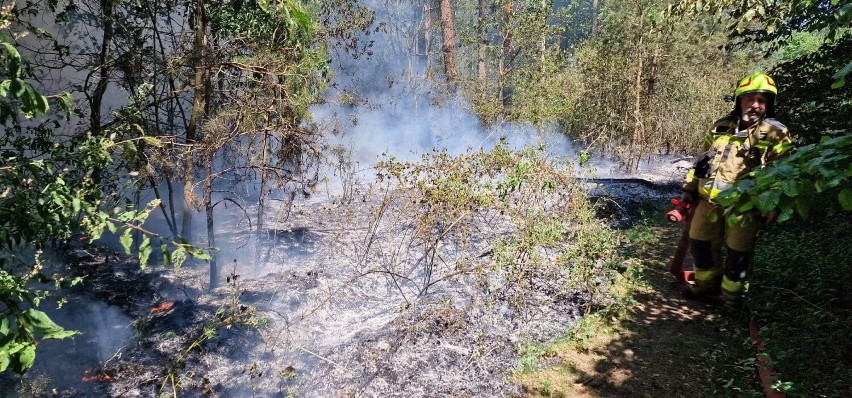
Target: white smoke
[[391, 106]]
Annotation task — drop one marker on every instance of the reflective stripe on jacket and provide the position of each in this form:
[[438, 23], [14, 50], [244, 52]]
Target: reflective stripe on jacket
[[733, 154]]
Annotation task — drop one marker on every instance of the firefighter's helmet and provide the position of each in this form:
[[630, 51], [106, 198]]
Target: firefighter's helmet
[[757, 82]]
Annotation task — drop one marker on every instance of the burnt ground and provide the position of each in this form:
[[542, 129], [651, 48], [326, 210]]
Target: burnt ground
[[329, 302], [658, 345], [305, 329]]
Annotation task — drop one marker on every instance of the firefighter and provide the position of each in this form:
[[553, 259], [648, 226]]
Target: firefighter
[[745, 139]]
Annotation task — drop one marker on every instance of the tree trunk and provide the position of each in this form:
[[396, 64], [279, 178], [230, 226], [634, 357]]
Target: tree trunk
[[427, 35], [168, 217], [483, 45], [655, 140], [543, 43], [174, 110], [638, 127], [108, 15], [264, 163], [596, 6], [208, 210], [261, 200], [198, 105], [96, 100], [506, 58], [448, 47]]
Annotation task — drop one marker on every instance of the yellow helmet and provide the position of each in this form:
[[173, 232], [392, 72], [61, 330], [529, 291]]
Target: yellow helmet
[[757, 82]]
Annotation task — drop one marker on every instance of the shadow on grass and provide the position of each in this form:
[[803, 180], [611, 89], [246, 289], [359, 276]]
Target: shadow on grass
[[656, 343]]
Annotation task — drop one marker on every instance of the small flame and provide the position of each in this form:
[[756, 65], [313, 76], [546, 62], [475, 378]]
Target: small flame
[[89, 376], [163, 307]]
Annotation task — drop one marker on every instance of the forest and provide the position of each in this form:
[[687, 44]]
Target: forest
[[394, 197]]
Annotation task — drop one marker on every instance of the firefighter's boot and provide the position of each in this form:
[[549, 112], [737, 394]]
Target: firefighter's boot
[[735, 279], [708, 272]]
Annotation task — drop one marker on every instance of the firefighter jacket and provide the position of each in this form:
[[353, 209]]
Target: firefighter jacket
[[730, 154]]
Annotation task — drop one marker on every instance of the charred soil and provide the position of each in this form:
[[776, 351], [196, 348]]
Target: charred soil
[[303, 320]]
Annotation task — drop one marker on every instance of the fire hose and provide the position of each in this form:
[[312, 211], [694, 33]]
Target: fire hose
[[682, 212]]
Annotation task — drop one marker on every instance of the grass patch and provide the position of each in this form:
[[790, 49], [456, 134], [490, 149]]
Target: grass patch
[[649, 341], [801, 297], [557, 368]]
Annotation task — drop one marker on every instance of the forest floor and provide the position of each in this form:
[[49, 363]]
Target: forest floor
[[652, 343], [655, 343]]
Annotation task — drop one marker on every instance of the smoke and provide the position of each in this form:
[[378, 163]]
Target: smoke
[[387, 103], [104, 331]]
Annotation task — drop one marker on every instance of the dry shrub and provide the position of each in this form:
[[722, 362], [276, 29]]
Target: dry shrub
[[522, 210]]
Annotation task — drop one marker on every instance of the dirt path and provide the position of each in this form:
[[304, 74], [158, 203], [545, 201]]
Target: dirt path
[[659, 345]]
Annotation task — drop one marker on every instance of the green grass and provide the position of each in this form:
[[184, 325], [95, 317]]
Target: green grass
[[801, 297]]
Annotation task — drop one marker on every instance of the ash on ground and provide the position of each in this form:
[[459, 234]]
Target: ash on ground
[[623, 199], [334, 299]]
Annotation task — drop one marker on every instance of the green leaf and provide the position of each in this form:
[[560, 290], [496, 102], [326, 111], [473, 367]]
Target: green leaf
[[25, 358], [745, 185], [62, 334], [201, 255], [790, 188], [153, 141], [144, 251], [178, 257], [734, 219], [845, 199], [785, 215], [4, 360], [40, 102], [827, 152], [802, 207], [767, 201], [825, 171], [14, 348], [16, 86], [843, 72], [111, 227], [13, 63], [729, 197], [785, 169], [4, 328], [829, 141], [41, 322], [126, 240], [746, 206], [167, 257], [66, 103]]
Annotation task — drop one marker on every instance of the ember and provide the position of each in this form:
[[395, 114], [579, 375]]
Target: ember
[[89, 376], [163, 307]]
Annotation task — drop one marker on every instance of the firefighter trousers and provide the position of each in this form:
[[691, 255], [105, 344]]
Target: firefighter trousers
[[708, 233]]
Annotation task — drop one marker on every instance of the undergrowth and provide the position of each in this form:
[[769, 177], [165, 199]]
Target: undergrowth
[[801, 299], [234, 314], [542, 223], [626, 277]]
